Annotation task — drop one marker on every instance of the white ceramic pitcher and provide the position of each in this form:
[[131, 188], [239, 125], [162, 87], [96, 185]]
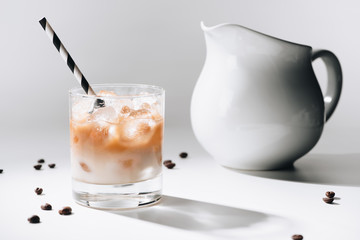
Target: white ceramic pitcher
[[257, 104]]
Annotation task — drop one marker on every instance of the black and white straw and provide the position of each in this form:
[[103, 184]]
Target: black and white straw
[[69, 61]]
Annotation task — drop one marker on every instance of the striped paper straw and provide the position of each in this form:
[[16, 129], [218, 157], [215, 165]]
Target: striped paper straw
[[70, 62]]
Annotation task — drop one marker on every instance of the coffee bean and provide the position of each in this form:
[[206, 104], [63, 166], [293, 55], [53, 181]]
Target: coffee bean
[[47, 206], [38, 191], [328, 200], [170, 165], [1, 170], [297, 237], [52, 165], [65, 211], [41, 161], [167, 162], [34, 219], [37, 167], [183, 155], [330, 194]]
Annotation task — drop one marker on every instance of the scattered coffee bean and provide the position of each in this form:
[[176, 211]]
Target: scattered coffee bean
[[37, 167], [169, 164], [328, 200], [52, 165], [47, 206], [41, 161], [65, 211], [330, 194], [297, 237], [183, 155], [1, 170], [38, 191], [34, 219]]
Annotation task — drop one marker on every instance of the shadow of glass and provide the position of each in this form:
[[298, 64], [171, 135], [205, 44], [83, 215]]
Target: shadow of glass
[[331, 169], [211, 218]]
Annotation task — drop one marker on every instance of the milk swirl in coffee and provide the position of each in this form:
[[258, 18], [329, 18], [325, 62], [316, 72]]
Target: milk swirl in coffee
[[116, 144]]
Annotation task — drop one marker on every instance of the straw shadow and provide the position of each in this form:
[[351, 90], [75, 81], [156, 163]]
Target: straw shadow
[[332, 169], [193, 215]]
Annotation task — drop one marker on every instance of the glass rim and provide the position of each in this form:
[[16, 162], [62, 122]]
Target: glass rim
[[79, 92]]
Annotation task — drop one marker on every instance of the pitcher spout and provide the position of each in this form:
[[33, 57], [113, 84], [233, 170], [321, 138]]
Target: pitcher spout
[[236, 39], [207, 29]]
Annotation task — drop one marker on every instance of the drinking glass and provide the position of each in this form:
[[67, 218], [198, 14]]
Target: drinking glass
[[116, 148]]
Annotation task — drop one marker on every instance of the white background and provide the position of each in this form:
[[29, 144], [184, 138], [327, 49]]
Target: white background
[[160, 42], [155, 42]]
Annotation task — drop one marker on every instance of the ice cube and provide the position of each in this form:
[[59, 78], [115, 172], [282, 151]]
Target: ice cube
[[80, 108], [106, 114], [124, 112], [111, 100], [121, 106], [137, 129], [139, 102], [125, 109], [156, 109], [129, 131], [143, 127], [145, 105], [113, 131], [140, 114]]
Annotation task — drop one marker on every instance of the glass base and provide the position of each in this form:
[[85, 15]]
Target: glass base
[[118, 196]]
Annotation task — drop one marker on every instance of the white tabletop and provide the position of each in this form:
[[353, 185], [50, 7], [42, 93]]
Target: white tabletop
[[202, 200]]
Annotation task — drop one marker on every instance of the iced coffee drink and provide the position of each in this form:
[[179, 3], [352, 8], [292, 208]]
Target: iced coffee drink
[[116, 149]]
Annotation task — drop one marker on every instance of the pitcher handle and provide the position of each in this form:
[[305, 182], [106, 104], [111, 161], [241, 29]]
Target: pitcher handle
[[334, 73]]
